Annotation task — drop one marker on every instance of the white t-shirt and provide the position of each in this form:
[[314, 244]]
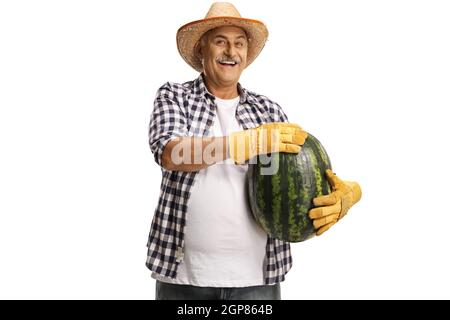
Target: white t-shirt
[[224, 246]]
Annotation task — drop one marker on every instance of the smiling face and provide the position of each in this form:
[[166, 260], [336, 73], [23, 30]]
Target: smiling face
[[224, 54]]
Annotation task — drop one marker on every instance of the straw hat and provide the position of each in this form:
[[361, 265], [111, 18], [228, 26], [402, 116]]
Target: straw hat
[[220, 14]]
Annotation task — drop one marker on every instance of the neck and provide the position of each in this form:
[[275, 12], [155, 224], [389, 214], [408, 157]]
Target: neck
[[221, 91]]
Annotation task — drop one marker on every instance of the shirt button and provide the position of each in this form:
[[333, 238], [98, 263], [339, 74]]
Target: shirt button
[[179, 254]]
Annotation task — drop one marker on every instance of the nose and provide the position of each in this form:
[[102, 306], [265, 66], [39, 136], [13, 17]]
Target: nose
[[230, 50]]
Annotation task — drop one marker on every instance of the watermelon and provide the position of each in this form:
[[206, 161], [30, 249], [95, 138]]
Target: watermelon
[[280, 201]]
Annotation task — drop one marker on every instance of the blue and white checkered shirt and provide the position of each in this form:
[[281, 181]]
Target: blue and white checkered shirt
[[188, 109]]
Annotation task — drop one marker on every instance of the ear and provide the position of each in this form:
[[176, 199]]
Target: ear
[[198, 51]]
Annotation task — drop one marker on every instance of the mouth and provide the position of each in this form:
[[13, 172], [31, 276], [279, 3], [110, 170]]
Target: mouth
[[228, 64]]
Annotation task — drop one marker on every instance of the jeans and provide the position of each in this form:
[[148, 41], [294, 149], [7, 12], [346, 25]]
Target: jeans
[[168, 291]]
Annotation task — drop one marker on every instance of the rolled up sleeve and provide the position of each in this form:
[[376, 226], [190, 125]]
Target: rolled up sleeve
[[279, 114], [167, 121]]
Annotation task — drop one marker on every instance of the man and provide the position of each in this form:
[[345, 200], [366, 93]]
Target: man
[[204, 243]]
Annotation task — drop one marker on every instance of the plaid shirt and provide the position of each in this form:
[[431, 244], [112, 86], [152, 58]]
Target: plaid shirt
[[189, 110]]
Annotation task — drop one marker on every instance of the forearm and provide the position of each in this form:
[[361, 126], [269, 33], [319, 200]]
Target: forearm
[[194, 153]]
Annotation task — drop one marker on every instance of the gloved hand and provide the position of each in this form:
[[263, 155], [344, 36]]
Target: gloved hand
[[267, 138], [334, 206]]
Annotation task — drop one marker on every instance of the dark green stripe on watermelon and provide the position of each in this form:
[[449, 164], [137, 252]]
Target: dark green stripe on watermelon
[[284, 200], [266, 198], [280, 202]]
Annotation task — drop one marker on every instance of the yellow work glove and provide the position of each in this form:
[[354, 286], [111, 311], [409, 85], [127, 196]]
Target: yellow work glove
[[267, 138], [334, 206]]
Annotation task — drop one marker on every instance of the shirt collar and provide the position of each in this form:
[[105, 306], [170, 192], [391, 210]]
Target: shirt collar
[[200, 87]]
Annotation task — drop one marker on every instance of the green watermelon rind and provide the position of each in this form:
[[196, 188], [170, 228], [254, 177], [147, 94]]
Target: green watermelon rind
[[282, 209]]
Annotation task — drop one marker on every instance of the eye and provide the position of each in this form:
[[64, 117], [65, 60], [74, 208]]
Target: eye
[[220, 42], [239, 44]]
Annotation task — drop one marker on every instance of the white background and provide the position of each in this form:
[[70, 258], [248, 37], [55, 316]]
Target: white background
[[78, 184]]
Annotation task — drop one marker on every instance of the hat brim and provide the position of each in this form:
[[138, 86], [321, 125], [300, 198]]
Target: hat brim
[[189, 34]]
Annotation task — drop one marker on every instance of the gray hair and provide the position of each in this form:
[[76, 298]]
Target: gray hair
[[201, 43]]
